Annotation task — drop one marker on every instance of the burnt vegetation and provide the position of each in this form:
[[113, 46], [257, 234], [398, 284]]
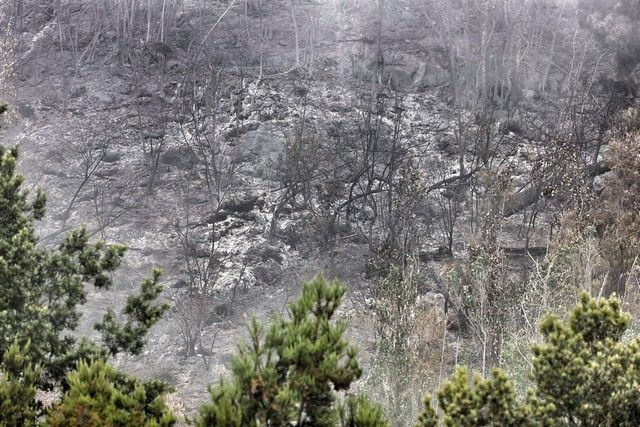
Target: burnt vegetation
[[463, 167]]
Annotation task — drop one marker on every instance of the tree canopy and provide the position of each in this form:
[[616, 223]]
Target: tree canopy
[[291, 372], [585, 375], [42, 291]]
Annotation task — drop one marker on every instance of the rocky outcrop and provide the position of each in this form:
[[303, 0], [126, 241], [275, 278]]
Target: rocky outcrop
[[408, 73]]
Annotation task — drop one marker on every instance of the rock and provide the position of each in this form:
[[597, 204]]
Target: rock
[[400, 80], [599, 182], [339, 108], [242, 129], [219, 216], [229, 225], [101, 96], [178, 157], [227, 358], [243, 203], [433, 76], [26, 111], [327, 63], [410, 73], [510, 126], [107, 172], [269, 273], [145, 93], [123, 88], [265, 146], [157, 49], [172, 63], [264, 253], [111, 157], [78, 92], [219, 313], [198, 251], [180, 284], [300, 91], [438, 254]]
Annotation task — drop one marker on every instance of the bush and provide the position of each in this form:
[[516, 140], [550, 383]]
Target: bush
[[99, 395], [584, 375], [41, 294], [290, 374]]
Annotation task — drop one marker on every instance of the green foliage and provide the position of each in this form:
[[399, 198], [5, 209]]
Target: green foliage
[[18, 379], [584, 375], [583, 368], [428, 417], [40, 294], [99, 395], [42, 289], [141, 316], [224, 409], [480, 402], [358, 411], [290, 373], [399, 366]]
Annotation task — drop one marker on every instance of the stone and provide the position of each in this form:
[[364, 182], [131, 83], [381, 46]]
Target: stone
[[78, 92], [266, 146], [112, 157], [243, 203], [242, 129], [172, 63], [433, 76], [180, 284], [178, 157], [268, 274], [145, 93], [26, 111]]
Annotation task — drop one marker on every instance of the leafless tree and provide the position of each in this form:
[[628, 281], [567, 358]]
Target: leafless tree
[[195, 305]]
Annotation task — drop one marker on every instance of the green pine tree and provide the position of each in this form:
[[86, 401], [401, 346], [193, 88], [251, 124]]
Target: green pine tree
[[100, 396], [18, 379], [477, 402], [290, 373], [585, 371], [42, 291], [358, 411], [585, 375]]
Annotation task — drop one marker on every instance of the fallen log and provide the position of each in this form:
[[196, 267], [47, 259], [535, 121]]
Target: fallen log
[[531, 194]]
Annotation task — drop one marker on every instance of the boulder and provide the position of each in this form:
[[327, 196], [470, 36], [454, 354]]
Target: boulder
[[178, 157], [241, 130], [407, 73], [112, 156], [242, 203], [26, 111], [400, 79], [433, 76], [266, 146]]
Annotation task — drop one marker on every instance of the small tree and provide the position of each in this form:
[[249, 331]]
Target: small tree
[[359, 411], [18, 379], [481, 402], [99, 395], [42, 289], [289, 374], [584, 374], [398, 367]]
